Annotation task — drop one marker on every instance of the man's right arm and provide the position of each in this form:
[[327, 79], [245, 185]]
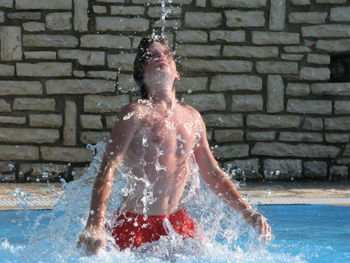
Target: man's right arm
[[121, 136]]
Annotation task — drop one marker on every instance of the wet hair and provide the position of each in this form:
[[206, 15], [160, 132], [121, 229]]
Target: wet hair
[[141, 58]]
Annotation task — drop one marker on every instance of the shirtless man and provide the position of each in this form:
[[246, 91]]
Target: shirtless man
[[156, 139]]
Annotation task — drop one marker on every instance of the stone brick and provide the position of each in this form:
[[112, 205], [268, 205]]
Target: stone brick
[[223, 120], [122, 61], [340, 123], [191, 36], [268, 38], [273, 121], [242, 103], [297, 49], [111, 1], [7, 70], [318, 59], [204, 102], [18, 152], [70, 123], [202, 65], [59, 21], [105, 41], [126, 83], [4, 106], [110, 121], [309, 73], [275, 94], [103, 74], [313, 124], [11, 45], [277, 14], [231, 151], [98, 9], [235, 83], [156, 11], [198, 50], [127, 10], [282, 169], [228, 135], [298, 89], [340, 13], [191, 84], [347, 150], [91, 121], [40, 55], [337, 138], [66, 154], [79, 73], [309, 106], [227, 36], [42, 40], [300, 2], [122, 24], [277, 67], [94, 137], [342, 107], [43, 4], [260, 136], [6, 3], [295, 150], [2, 16], [24, 15], [238, 3], [243, 168], [7, 167], [44, 69], [292, 57], [34, 104], [7, 177], [79, 86], [334, 89], [250, 52], [78, 172], [81, 17], [236, 18], [307, 17], [326, 31], [45, 120], [338, 172], [101, 104], [315, 169], [23, 135], [300, 137], [42, 172], [12, 120], [331, 1], [339, 45], [33, 26], [203, 20], [201, 3], [84, 57]]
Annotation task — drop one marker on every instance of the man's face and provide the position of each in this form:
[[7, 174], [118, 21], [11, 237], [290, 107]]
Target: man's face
[[159, 62]]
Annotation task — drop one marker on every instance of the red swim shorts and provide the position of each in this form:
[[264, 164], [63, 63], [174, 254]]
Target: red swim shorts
[[132, 230]]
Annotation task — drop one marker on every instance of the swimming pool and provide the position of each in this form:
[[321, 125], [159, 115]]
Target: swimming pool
[[303, 233]]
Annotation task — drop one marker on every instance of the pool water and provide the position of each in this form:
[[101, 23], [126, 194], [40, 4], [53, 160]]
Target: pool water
[[302, 233]]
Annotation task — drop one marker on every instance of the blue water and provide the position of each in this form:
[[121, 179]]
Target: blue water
[[313, 233]]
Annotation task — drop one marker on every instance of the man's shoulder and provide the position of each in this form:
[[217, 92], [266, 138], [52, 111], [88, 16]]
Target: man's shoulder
[[192, 111]]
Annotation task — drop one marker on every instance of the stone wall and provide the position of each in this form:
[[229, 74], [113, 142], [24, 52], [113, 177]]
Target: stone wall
[[257, 70]]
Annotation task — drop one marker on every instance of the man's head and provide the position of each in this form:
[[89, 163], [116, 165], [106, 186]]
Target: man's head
[[153, 57]]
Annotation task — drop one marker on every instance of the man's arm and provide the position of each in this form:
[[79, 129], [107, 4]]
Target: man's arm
[[121, 136], [222, 185]]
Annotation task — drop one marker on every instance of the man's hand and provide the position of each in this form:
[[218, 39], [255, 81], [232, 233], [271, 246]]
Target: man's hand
[[92, 241], [257, 220]]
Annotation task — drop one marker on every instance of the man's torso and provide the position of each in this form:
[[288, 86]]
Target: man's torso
[[159, 158]]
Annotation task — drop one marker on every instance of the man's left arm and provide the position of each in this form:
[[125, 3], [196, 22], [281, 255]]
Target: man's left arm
[[222, 185]]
